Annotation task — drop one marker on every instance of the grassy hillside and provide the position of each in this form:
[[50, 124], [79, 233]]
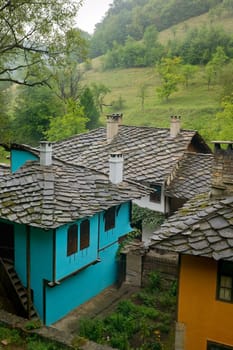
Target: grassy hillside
[[196, 104]]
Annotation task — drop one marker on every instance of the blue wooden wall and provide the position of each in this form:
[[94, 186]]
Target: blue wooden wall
[[80, 279]]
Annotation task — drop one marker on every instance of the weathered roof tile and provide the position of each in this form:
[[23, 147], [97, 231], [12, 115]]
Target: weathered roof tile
[[48, 197], [210, 236]]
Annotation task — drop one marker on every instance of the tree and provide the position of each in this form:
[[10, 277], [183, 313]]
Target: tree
[[99, 92], [34, 106], [215, 65], [169, 70], [73, 122], [142, 93], [91, 111], [188, 71], [67, 74], [226, 79], [5, 119], [118, 105], [223, 123], [30, 37]]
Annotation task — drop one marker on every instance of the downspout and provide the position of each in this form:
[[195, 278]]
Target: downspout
[[98, 235], [54, 255], [28, 253]]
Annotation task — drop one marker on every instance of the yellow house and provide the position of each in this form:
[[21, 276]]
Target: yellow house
[[202, 234]]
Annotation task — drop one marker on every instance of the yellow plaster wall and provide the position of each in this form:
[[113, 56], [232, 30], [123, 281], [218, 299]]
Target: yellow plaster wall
[[205, 317]]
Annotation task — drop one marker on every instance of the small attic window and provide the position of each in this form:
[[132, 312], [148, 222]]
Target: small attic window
[[225, 281], [155, 196], [109, 218], [72, 238]]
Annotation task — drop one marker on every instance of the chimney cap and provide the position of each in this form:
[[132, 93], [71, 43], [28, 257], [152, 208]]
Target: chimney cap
[[223, 142], [114, 116], [175, 117], [217, 145], [116, 155]]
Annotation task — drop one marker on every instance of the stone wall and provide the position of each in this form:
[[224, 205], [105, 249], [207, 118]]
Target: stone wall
[[165, 264]]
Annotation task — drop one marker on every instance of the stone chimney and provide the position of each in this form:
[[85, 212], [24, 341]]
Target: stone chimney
[[174, 126], [222, 173], [116, 167], [45, 153], [113, 122]]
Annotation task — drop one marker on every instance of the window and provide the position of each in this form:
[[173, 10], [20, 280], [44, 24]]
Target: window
[[109, 217], [215, 346], [155, 196], [225, 281], [84, 234], [72, 240]]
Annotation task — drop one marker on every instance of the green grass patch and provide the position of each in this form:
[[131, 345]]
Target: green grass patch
[[15, 339], [197, 105]]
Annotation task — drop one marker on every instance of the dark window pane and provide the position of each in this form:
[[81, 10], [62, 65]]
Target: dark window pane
[[155, 196], [84, 234], [225, 281], [72, 240], [109, 219]]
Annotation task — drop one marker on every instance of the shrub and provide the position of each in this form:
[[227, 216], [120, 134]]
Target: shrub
[[145, 298], [91, 329], [126, 307], [154, 282]]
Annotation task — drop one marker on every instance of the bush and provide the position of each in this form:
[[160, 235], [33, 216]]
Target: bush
[[92, 329], [154, 282]]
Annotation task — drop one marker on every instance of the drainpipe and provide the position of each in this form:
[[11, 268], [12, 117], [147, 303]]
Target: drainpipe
[[28, 248]]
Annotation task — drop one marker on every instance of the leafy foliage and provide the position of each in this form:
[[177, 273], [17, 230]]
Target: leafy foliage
[[135, 321], [31, 37], [169, 70], [223, 122], [15, 340], [146, 216], [33, 108], [131, 18], [91, 111], [199, 44], [72, 122]]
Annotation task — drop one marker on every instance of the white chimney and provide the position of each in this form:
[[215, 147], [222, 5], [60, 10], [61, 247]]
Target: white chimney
[[113, 122], [175, 126], [45, 153], [116, 167]]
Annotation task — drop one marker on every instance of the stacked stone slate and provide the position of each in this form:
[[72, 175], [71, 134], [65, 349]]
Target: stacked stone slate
[[202, 227], [149, 153], [49, 196], [192, 176]]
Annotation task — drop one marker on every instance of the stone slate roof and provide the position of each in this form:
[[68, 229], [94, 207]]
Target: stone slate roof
[[191, 176], [4, 169], [149, 153], [51, 196], [202, 227]]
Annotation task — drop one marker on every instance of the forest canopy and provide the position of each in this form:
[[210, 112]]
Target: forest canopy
[[131, 18]]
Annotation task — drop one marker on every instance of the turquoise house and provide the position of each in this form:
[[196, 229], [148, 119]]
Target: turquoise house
[[60, 228]]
